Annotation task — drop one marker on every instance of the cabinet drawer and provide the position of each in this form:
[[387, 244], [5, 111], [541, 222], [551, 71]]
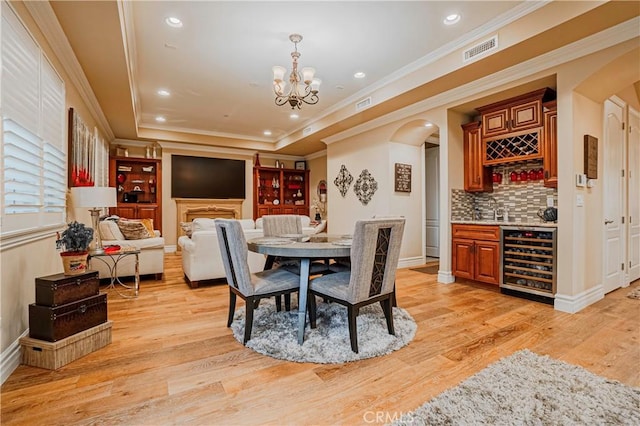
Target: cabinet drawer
[[476, 232]]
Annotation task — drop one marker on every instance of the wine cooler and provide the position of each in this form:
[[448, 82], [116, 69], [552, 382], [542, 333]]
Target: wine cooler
[[529, 262]]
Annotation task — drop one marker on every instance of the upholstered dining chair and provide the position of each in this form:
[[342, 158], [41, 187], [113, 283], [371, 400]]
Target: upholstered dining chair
[[375, 251], [288, 224], [250, 287]]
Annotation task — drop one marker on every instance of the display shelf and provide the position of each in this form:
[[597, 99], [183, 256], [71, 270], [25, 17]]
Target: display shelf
[[138, 185], [528, 260], [280, 191]]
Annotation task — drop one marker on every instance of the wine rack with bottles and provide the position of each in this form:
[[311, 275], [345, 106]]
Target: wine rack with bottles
[[529, 260]]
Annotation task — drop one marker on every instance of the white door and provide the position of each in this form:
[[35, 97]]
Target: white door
[[633, 172], [613, 187], [432, 173]]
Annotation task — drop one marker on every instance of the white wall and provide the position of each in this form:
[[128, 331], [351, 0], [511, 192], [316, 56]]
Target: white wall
[[373, 151]]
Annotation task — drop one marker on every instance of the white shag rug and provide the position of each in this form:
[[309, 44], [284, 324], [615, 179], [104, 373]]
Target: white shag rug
[[529, 389], [276, 333]]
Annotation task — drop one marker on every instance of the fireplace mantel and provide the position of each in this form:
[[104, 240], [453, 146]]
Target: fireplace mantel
[[188, 209]]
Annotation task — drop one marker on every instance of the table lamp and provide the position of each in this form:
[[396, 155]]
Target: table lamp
[[97, 198]]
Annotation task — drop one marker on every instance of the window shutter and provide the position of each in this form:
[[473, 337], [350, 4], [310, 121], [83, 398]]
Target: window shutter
[[21, 162], [34, 151]]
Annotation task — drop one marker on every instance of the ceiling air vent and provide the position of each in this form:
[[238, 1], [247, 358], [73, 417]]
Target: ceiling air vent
[[306, 131], [365, 103], [480, 49]]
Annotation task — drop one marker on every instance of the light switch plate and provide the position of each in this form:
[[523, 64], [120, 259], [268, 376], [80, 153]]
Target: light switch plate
[[580, 200], [581, 180]]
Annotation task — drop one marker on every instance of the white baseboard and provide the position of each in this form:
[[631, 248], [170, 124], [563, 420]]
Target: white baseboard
[[10, 358], [446, 277], [170, 249], [573, 304], [410, 262]]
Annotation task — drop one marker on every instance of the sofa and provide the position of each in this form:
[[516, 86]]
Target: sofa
[[151, 257], [201, 259]]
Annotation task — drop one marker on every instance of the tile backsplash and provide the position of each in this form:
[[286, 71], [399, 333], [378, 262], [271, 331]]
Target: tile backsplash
[[521, 199]]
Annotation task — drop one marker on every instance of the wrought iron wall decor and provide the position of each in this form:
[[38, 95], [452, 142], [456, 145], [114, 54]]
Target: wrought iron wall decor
[[365, 187], [343, 180]]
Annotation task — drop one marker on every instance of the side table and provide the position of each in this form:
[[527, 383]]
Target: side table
[[111, 259]]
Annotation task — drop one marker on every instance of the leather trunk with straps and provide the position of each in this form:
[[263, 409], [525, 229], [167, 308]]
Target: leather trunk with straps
[[60, 289], [55, 323]]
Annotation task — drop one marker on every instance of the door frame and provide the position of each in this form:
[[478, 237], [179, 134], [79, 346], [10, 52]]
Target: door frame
[[623, 196]]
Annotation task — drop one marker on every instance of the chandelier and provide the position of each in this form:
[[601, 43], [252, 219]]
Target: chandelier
[[301, 88]]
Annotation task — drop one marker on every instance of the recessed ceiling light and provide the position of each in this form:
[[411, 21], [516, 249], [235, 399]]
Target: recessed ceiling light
[[267, 133], [294, 116], [163, 92], [174, 22], [427, 124], [160, 119], [454, 18], [359, 74]]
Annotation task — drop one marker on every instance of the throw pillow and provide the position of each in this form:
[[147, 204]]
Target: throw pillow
[[186, 228], [109, 230], [133, 230], [148, 223]]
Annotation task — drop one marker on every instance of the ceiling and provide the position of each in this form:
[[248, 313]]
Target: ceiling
[[217, 66]]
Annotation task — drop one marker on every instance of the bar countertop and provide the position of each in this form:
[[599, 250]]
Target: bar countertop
[[536, 224]]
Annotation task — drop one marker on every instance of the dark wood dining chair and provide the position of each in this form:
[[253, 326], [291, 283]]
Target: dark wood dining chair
[[249, 287], [374, 259]]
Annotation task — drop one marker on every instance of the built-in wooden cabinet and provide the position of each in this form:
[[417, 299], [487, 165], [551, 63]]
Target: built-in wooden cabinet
[[280, 191], [139, 188], [550, 145], [518, 129], [476, 177], [476, 252], [514, 114]]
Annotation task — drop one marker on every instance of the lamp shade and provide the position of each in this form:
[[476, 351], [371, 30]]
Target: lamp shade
[[93, 196]]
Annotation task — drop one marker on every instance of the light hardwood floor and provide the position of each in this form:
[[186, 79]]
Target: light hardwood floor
[[173, 361]]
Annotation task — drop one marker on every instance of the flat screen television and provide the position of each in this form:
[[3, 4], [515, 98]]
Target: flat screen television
[[205, 177]]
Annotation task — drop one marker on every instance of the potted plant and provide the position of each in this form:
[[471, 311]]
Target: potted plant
[[74, 243]]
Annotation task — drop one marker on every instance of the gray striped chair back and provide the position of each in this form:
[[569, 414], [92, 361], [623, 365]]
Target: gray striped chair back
[[280, 224], [375, 252], [234, 252]]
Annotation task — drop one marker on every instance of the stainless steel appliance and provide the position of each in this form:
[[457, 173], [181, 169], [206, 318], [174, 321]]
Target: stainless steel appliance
[[528, 262]]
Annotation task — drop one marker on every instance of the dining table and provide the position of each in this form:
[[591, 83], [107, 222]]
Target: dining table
[[306, 248]]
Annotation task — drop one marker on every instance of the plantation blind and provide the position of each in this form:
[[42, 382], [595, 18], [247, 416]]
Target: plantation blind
[[34, 153]]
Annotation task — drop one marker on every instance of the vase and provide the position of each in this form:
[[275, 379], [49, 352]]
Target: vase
[[74, 262]]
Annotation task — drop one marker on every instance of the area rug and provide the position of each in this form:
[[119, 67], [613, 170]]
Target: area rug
[[529, 389], [275, 333], [634, 294]]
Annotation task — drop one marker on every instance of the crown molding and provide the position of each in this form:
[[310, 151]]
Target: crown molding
[[125, 11], [132, 142], [207, 133], [588, 45], [45, 18], [181, 146], [315, 155]]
